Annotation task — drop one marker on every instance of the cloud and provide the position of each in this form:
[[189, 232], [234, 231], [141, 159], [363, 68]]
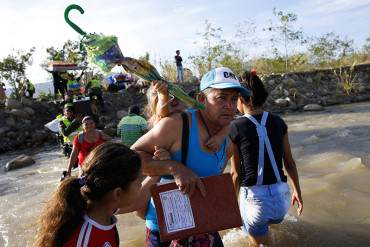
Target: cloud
[[332, 6]]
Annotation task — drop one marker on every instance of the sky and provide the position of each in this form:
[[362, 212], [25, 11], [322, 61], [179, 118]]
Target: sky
[[162, 26]]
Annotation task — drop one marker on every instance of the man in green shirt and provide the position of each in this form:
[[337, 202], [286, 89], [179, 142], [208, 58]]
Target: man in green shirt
[[132, 127]]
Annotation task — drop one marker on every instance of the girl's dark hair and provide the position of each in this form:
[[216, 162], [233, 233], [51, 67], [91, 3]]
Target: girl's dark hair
[[107, 167], [255, 85]]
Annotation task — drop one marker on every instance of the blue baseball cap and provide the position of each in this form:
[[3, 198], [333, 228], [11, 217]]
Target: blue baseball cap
[[223, 78]]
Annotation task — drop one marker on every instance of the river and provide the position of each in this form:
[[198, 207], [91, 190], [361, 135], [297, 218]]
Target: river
[[327, 147]]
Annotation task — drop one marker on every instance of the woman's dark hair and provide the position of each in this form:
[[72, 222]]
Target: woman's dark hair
[[255, 85], [109, 166]]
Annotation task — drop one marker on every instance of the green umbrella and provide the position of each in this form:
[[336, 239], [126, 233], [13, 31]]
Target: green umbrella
[[104, 51]]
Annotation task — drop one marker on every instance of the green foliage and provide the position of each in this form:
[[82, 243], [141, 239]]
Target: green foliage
[[216, 51], [284, 33], [13, 68], [346, 78], [70, 52], [146, 57], [366, 47], [43, 96], [212, 48], [168, 70], [329, 47], [235, 63]]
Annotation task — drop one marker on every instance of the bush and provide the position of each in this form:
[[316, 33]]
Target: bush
[[43, 96]]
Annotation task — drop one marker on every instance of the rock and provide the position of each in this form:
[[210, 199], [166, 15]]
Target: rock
[[271, 83], [19, 113], [286, 92], [362, 98], [103, 120], [3, 131], [29, 110], [111, 125], [121, 114], [110, 131], [39, 136], [11, 134], [288, 82], [294, 77], [313, 107], [19, 162], [13, 104], [281, 102], [362, 89], [365, 160], [26, 101], [10, 121]]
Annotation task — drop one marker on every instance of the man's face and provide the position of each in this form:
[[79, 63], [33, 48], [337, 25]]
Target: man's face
[[221, 105], [177, 53], [68, 113]]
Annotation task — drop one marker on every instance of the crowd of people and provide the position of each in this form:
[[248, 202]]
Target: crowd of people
[[83, 208]]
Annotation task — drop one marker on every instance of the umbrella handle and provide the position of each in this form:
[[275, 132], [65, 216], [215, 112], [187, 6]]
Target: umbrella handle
[[73, 25]]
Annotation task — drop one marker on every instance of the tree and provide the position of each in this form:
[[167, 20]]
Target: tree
[[366, 46], [168, 70], [285, 33], [71, 51], [246, 38], [146, 57], [212, 47], [330, 47], [13, 68]]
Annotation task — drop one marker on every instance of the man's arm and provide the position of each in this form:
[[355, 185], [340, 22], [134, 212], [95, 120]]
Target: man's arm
[[62, 128], [165, 135], [162, 135], [72, 127]]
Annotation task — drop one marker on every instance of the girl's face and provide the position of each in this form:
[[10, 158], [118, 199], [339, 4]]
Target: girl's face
[[88, 125]]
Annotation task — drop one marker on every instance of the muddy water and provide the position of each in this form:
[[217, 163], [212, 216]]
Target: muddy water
[[327, 146]]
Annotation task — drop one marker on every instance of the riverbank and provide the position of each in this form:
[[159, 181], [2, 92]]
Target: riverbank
[[327, 147], [22, 123]]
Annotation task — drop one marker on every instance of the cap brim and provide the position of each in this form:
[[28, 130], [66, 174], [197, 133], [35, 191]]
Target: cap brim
[[226, 85]]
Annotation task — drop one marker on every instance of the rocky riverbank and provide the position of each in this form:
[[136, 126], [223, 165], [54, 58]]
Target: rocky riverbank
[[22, 123]]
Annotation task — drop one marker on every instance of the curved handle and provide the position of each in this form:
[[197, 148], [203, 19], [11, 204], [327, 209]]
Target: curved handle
[[66, 18]]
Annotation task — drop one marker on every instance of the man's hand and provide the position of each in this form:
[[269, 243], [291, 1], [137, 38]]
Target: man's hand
[[187, 181]]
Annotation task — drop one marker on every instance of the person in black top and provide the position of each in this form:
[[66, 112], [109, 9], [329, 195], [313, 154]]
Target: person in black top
[[59, 83], [179, 69], [260, 145]]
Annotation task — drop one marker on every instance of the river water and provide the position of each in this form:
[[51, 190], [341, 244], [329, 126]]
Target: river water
[[327, 147]]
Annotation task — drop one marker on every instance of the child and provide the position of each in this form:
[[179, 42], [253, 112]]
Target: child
[[81, 211]]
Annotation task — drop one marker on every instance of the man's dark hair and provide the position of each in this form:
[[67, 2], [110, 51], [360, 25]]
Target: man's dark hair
[[134, 110], [177, 51], [253, 83]]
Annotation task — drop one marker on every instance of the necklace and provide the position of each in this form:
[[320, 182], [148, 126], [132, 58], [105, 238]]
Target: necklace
[[209, 135]]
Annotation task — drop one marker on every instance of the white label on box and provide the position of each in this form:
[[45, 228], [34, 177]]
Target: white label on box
[[177, 211]]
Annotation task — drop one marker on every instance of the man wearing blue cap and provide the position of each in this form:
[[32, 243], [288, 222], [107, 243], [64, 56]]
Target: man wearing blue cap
[[220, 90]]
